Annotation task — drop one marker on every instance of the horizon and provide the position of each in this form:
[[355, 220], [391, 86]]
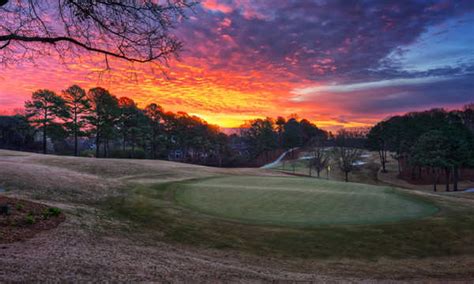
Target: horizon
[[338, 65]]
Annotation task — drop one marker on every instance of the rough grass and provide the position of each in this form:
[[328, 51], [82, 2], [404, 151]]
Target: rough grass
[[125, 211], [299, 201]]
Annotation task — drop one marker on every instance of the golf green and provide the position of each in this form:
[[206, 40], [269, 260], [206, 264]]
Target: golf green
[[296, 201]]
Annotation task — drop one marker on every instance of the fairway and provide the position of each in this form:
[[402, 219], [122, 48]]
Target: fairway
[[298, 201]]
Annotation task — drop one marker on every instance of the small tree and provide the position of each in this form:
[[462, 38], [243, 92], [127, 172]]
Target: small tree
[[320, 159], [345, 156], [78, 105], [44, 110]]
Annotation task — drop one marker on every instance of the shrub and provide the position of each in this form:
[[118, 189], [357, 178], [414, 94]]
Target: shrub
[[51, 211], [19, 207], [30, 219]]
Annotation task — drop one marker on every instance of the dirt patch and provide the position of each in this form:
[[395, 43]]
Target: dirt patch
[[21, 219]]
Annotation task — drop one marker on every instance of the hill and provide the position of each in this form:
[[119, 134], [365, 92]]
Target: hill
[[125, 221]]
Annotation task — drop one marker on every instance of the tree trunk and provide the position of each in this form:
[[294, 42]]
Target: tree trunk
[[382, 160], [398, 164], [455, 178], [106, 148], [97, 145], [310, 174], [124, 139], [133, 145], [435, 179], [447, 172], [347, 176], [153, 145], [45, 142], [319, 171], [75, 132]]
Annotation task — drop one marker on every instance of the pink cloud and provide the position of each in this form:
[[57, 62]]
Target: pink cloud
[[219, 7]]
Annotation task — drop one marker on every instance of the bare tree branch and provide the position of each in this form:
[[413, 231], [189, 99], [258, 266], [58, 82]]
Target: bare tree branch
[[54, 40], [132, 30]]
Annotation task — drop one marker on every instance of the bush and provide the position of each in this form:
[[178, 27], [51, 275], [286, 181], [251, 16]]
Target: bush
[[51, 211], [30, 219]]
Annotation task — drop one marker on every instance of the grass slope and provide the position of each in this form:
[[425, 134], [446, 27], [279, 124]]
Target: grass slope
[[300, 201]]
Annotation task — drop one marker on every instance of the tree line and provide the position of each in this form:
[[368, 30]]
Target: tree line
[[266, 135], [115, 127], [437, 141]]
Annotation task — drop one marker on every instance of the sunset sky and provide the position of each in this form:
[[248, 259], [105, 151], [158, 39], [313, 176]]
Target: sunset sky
[[338, 63]]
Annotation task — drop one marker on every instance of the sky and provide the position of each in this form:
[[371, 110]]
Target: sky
[[338, 63]]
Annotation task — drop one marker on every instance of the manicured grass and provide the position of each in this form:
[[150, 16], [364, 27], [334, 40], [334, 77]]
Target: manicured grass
[[296, 201], [154, 211]]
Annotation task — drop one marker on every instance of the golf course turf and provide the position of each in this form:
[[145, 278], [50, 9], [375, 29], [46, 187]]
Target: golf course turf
[[302, 202]]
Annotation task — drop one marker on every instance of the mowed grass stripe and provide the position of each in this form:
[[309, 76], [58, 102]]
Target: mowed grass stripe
[[300, 201]]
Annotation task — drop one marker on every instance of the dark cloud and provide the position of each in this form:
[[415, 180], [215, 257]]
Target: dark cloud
[[383, 100], [341, 41]]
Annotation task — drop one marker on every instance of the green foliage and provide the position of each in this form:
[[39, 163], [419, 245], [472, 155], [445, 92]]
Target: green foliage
[[53, 211], [30, 219], [431, 149], [434, 138]]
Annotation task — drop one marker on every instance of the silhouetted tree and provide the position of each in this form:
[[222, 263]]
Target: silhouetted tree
[[155, 115], [78, 106], [103, 117], [280, 124], [127, 120], [292, 135], [16, 133], [44, 110], [377, 140], [260, 136]]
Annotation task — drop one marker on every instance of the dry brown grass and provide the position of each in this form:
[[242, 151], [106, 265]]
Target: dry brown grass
[[91, 245]]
